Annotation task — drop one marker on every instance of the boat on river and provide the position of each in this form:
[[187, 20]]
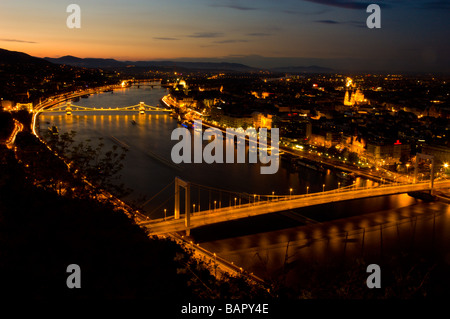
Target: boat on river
[[53, 130]]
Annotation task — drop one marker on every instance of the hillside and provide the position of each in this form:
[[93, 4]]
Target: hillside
[[111, 63], [42, 235], [24, 78]]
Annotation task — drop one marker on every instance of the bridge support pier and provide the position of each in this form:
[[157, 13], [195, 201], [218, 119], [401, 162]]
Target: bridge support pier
[[69, 108], [416, 166], [141, 108], [187, 187]]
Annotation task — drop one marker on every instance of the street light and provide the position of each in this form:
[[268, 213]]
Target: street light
[[273, 198], [193, 208], [165, 210], [215, 205], [323, 188], [307, 190], [290, 193], [235, 202], [339, 185]]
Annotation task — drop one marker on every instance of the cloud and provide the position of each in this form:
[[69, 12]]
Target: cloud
[[328, 21], [387, 4], [234, 6], [317, 12], [258, 34], [358, 24], [346, 4], [165, 38], [206, 35], [16, 40], [231, 41]]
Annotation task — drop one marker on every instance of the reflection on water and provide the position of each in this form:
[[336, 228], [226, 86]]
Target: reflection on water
[[418, 226]]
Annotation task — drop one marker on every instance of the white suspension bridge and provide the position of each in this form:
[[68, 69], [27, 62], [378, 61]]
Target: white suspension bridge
[[227, 205], [68, 108]]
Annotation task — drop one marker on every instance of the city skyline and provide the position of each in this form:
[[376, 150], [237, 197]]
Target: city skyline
[[259, 34]]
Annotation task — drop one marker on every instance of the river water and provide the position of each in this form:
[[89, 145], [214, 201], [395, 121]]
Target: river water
[[267, 244]]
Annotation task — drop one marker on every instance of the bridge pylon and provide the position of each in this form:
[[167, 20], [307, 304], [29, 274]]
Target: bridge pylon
[[187, 218], [69, 108], [416, 168], [141, 107]]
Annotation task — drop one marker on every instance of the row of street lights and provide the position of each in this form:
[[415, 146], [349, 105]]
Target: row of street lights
[[254, 198]]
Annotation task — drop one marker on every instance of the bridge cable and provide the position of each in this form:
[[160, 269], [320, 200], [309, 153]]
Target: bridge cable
[[146, 202], [216, 189], [165, 202]]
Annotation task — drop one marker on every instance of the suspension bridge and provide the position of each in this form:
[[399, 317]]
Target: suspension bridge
[[204, 205], [68, 108]]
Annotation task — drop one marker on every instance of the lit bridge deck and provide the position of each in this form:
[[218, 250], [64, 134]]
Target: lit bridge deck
[[234, 212], [69, 108]]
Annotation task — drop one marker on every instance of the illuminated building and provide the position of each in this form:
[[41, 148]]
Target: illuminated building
[[325, 139], [24, 106], [262, 95], [236, 121], [354, 143], [388, 153], [353, 97], [261, 121], [7, 105]]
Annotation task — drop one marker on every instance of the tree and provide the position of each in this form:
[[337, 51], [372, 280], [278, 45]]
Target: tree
[[6, 125], [91, 161]]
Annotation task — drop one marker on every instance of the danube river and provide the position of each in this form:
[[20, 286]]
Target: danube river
[[148, 167], [265, 245]]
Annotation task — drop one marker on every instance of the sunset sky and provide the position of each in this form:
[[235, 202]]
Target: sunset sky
[[414, 35]]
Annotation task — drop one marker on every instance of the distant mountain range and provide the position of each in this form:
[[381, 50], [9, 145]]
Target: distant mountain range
[[196, 66], [12, 58], [303, 69], [111, 63]]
